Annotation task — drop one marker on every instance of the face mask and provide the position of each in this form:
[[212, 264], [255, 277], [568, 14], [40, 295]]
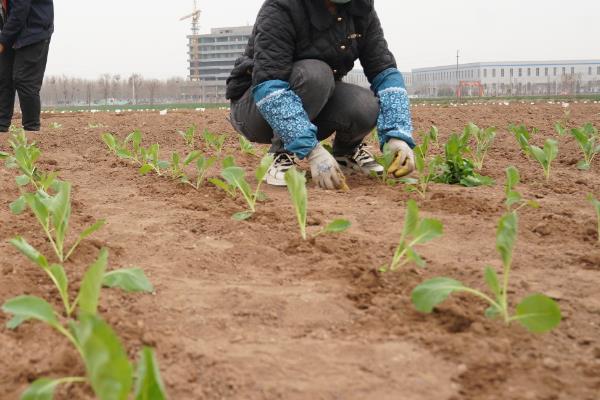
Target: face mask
[[341, 1]]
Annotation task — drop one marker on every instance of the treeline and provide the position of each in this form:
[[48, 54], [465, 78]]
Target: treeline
[[109, 89]]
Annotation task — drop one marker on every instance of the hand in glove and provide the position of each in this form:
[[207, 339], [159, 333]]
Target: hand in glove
[[404, 161], [325, 170]]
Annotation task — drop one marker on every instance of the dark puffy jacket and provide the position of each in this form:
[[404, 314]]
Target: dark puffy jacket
[[291, 30], [28, 22]]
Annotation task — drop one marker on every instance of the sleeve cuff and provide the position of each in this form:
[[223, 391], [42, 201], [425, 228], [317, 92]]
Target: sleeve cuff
[[407, 138]]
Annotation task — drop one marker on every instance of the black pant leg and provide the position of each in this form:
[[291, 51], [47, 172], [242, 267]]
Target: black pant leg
[[7, 89], [29, 69], [351, 113], [311, 80]]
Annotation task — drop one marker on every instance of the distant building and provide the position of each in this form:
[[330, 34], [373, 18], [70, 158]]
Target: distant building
[[211, 59], [506, 78]]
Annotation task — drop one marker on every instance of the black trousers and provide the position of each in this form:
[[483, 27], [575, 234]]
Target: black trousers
[[348, 110], [22, 71]]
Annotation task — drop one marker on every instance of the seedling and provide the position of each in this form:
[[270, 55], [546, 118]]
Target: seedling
[[561, 126], [523, 136], [152, 162], [385, 160], [546, 155], [537, 313], [589, 142], [426, 168], [230, 190], [203, 165], [484, 139], [514, 200], [189, 136], [416, 231], [296, 184], [215, 142], [596, 204], [456, 168], [246, 146], [433, 135], [235, 176], [53, 213], [96, 125], [108, 370], [55, 125]]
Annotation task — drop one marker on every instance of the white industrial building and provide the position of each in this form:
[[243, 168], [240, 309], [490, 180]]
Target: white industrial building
[[507, 78]]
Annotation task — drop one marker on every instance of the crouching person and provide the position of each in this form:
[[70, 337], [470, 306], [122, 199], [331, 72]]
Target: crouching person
[[26, 27], [287, 89]]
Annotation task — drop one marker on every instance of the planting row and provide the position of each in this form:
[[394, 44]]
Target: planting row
[[109, 372]]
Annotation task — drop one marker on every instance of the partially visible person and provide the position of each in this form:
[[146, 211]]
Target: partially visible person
[[26, 27]]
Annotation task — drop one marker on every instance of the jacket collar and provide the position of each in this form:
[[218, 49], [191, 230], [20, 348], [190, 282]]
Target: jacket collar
[[322, 19]]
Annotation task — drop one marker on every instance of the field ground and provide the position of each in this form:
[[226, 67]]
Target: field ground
[[249, 311]]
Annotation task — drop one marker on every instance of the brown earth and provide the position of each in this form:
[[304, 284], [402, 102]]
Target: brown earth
[[247, 310]]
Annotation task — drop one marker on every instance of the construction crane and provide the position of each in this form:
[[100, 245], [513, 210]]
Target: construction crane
[[195, 16]]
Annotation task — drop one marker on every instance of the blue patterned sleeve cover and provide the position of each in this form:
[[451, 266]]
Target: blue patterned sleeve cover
[[283, 110], [394, 116]]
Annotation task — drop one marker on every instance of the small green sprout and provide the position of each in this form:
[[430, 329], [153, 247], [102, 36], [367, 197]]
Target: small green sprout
[[215, 142], [523, 136], [484, 139], [152, 162], [513, 197], [203, 165], [596, 204], [456, 168], [546, 155], [230, 190], [416, 231], [246, 146], [235, 176], [386, 159], [55, 125], [537, 313], [296, 184], [426, 168], [189, 136], [589, 141]]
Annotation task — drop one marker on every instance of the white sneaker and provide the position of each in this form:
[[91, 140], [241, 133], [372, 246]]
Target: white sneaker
[[362, 160], [281, 164]]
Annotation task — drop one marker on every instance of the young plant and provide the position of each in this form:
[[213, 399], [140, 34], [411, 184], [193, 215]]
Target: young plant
[[546, 155], [246, 146], [457, 169], [416, 231], [513, 197], [235, 176], [215, 142], [589, 142], [109, 371], [55, 125], [189, 136], [484, 139], [296, 184], [203, 165], [523, 136], [596, 204], [561, 126], [537, 313], [426, 168], [230, 190], [386, 159], [152, 162], [53, 213]]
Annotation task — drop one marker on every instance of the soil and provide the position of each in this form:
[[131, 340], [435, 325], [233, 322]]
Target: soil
[[247, 310]]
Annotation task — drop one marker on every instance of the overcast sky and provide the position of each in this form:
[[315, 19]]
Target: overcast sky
[[146, 36]]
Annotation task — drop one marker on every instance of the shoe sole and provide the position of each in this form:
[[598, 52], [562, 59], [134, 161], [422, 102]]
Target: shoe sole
[[272, 181], [355, 167]]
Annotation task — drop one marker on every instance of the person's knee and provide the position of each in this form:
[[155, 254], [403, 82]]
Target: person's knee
[[25, 86], [313, 76], [363, 112]]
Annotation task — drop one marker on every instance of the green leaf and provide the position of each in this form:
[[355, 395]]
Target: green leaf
[[18, 206], [89, 293], [492, 312], [130, 280], [235, 176], [491, 278], [337, 226], [22, 180], [193, 156], [106, 363], [538, 154], [512, 178], [39, 209], [92, 229], [413, 256], [506, 236], [41, 389], [583, 165], [62, 281], [29, 251], [296, 184], [60, 211], [148, 385], [30, 307], [4, 155], [228, 162], [427, 230], [431, 293], [109, 140], [221, 185], [551, 150], [264, 166], [538, 313], [145, 169], [242, 216], [411, 219]]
